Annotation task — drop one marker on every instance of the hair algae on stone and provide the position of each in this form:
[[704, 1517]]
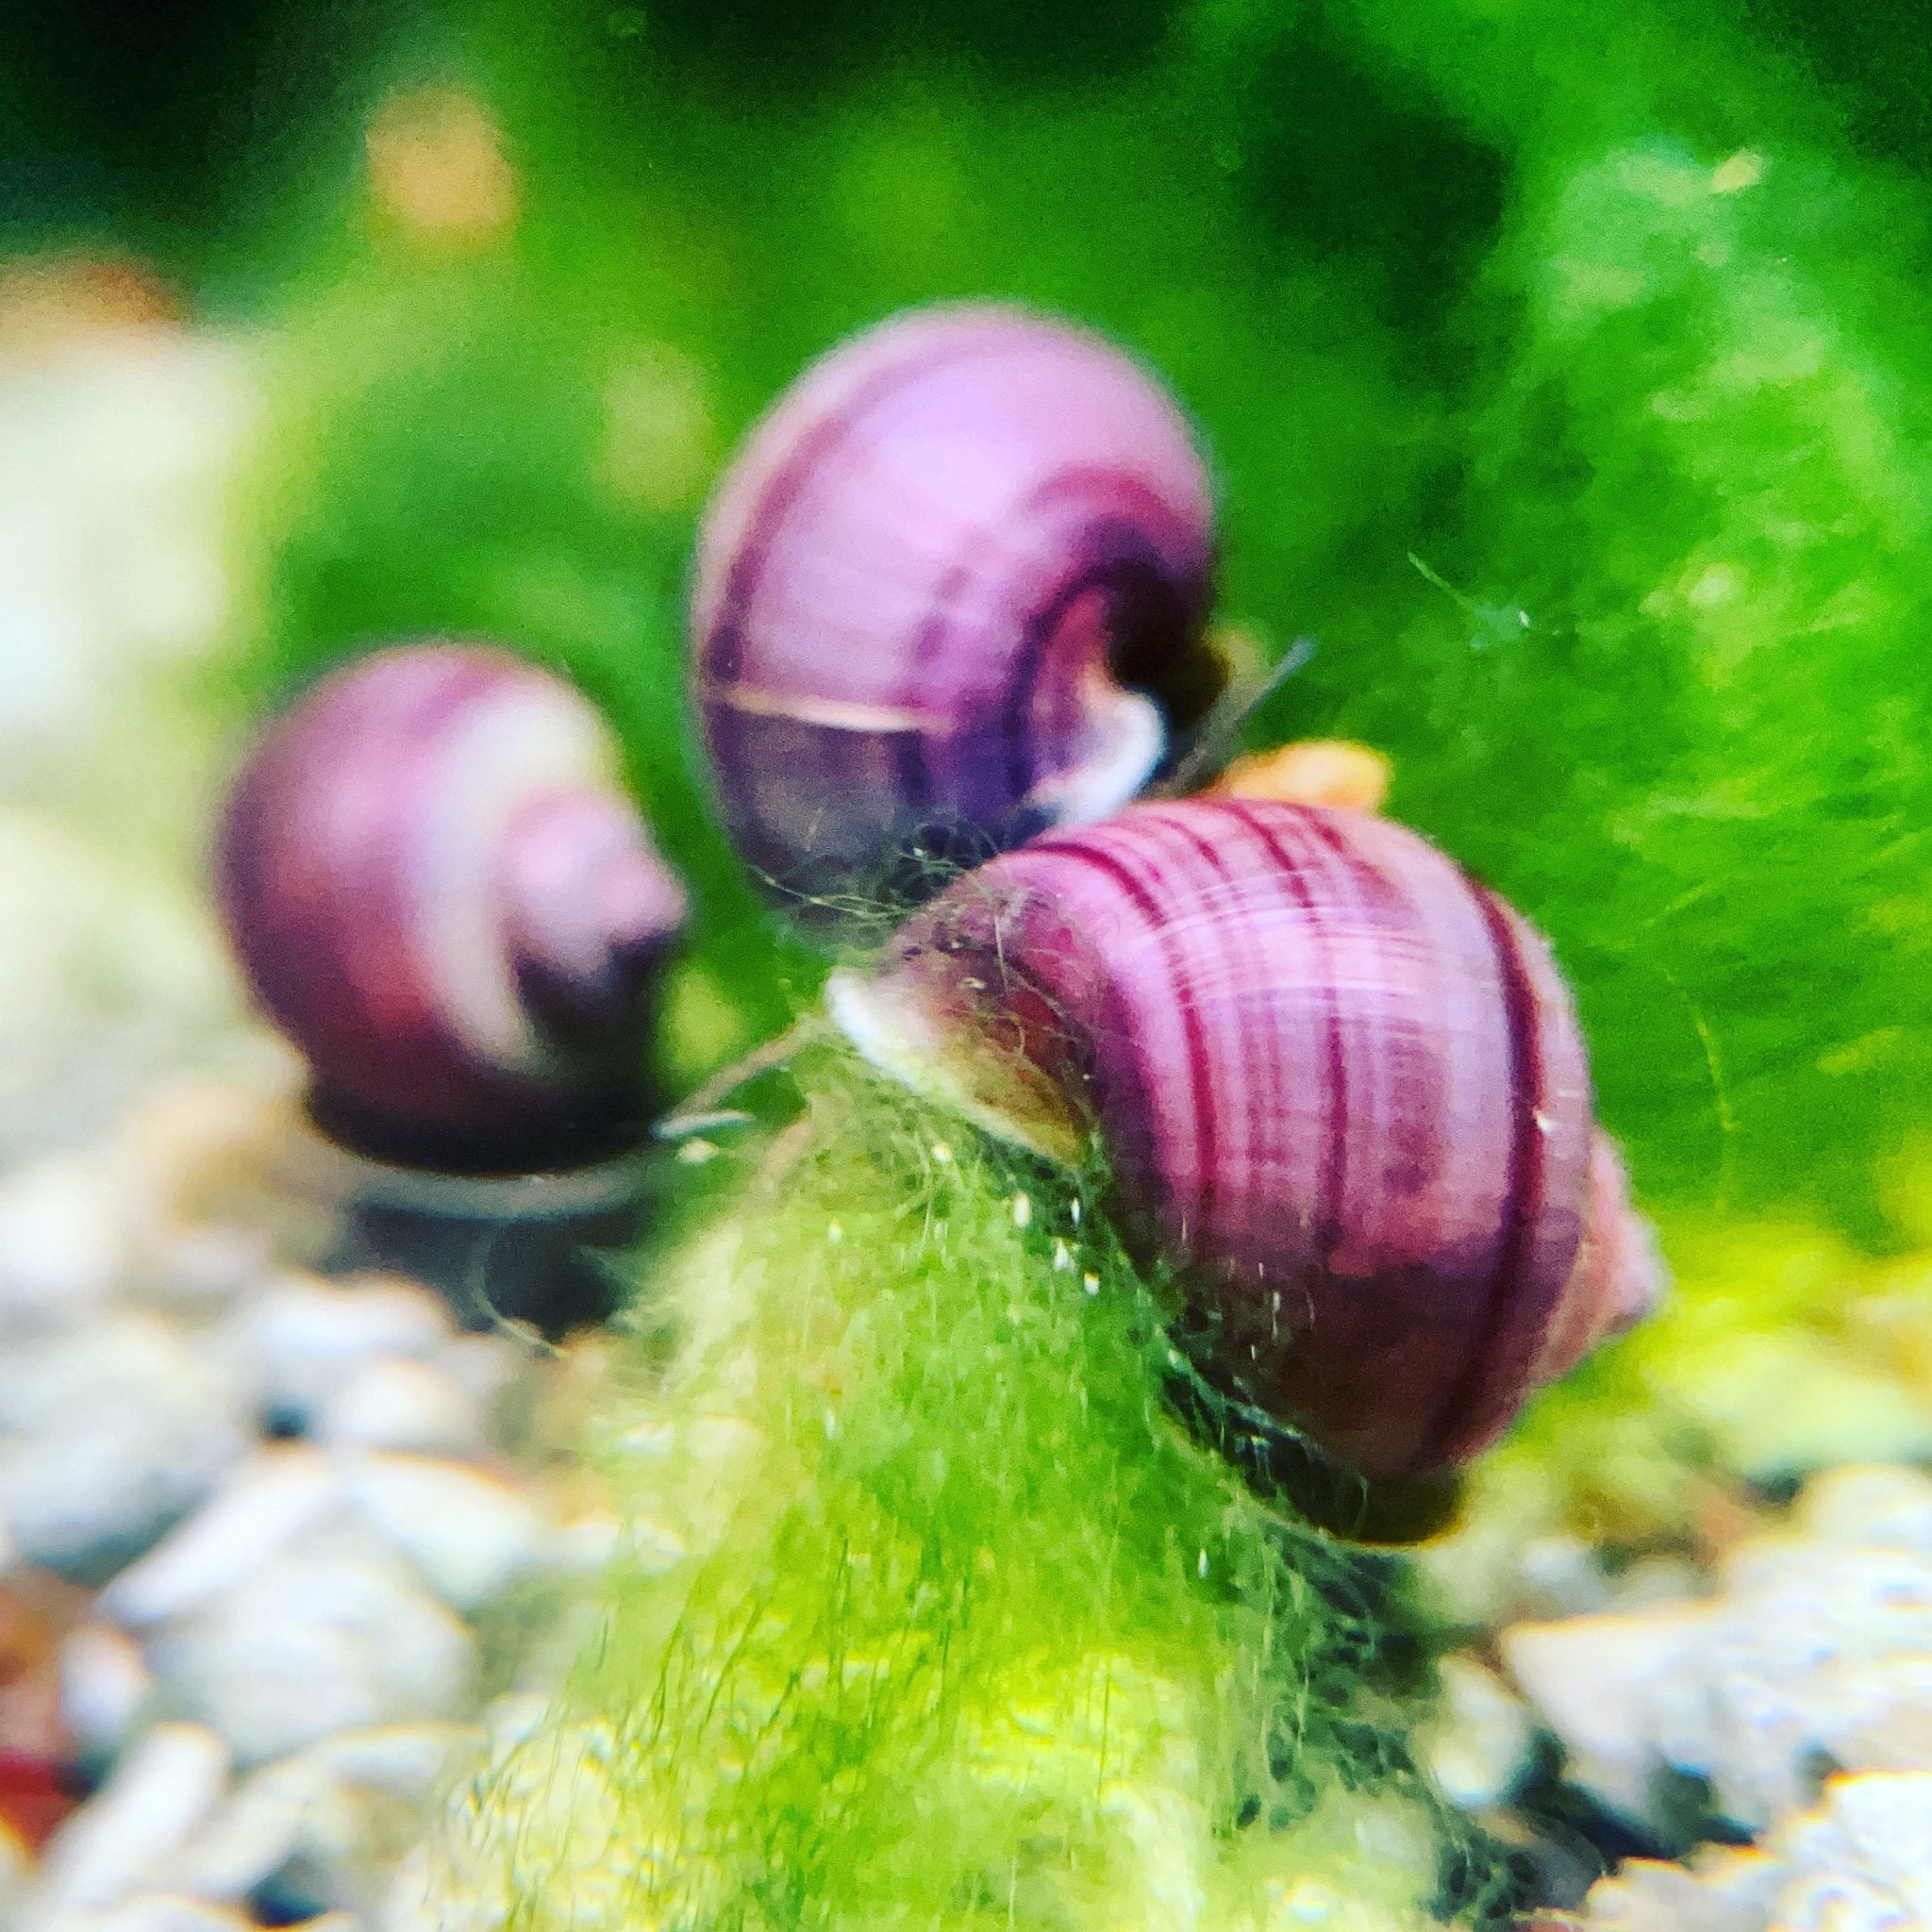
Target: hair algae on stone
[[928, 1614]]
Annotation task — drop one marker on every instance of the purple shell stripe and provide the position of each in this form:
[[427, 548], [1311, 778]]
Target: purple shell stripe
[[920, 582], [1331, 1192], [1195, 1073], [1342, 1087], [1522, 1191]]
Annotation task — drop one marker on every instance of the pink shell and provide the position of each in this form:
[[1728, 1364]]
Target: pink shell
[[956, 578], [1339, 1081], [439, 891]]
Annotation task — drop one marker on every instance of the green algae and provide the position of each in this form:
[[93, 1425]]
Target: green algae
[[1565, 386], [1564, 373], [934, 1615]]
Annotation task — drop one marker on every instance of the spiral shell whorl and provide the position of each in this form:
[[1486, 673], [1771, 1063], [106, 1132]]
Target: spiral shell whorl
[[938, 585], [1338, 1080], [438, 889]]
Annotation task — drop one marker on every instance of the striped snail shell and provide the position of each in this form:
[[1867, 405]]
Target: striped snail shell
[[952, 585], [438, 889], [1339, 1082]]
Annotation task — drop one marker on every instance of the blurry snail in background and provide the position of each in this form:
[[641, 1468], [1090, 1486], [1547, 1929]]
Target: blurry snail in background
[[951, 592], [1341, 1087], [439, 891]]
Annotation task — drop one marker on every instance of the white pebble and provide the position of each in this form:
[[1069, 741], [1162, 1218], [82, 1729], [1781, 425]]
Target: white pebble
[[1561, 1577], [394, 1402], [1863, 1860], [1478, 1743], [105, 1687], [63, 1243], [121, 1837], [1588, 1679], [1877, 1504], [105, 1437], [335, 1805], [302, 1338], [145, 1911], [469, 1533], [1821, 1653], [262, 1507], [483, 1366], [1727, 1892], [338, 1632]]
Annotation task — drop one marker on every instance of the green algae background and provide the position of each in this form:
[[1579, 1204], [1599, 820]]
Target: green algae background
[[1564, 373]]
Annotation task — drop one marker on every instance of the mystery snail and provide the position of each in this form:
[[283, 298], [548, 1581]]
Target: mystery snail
[[438, 889], [1340, 1083], [952, 587]]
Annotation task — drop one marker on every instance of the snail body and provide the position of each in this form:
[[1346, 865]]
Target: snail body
[[1340, 1083], [957, 579], [438, 889]]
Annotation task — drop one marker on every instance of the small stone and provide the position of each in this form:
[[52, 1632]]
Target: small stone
[[1476, 1745], [485, 1367], [218, 1183], [1879, 1503], [328, 1821], [109, 969], [333, 1633], [64, 1247], [159, 1795], [264, 1505], [157, 1911], [1592, 1680], [302, 1338], [394, 1402], [1563, 1577], [35, 1795], [108, 1435], [1862, 1861], [1820, 1655], [1311, 771], [1784, 1400], [105, 1688], [1654, 1580], [1646, 1895], [16, 1872], [469, 1533], [37, 1746], [402, 1759]]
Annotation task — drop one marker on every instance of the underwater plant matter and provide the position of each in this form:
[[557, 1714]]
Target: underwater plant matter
[[929, 1614], [438, 889], [1341, 1087], [956, 579]]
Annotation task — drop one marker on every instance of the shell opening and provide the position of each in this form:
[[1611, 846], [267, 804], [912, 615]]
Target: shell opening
[[897, 1028]]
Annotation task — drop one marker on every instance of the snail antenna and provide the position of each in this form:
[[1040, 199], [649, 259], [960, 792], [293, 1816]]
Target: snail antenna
[[1212, 742]]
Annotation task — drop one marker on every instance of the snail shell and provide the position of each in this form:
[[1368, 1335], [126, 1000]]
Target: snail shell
[[956, 579], [439, 891], [1339, 1082]]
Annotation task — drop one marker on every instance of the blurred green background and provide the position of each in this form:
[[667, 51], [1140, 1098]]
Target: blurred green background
[[1563, 365]]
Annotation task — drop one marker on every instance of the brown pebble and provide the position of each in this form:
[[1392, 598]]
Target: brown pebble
[[1312, 770]]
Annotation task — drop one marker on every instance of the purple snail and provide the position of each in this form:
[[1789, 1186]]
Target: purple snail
[[955, 584], [438, 889], [1340, 1083]]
